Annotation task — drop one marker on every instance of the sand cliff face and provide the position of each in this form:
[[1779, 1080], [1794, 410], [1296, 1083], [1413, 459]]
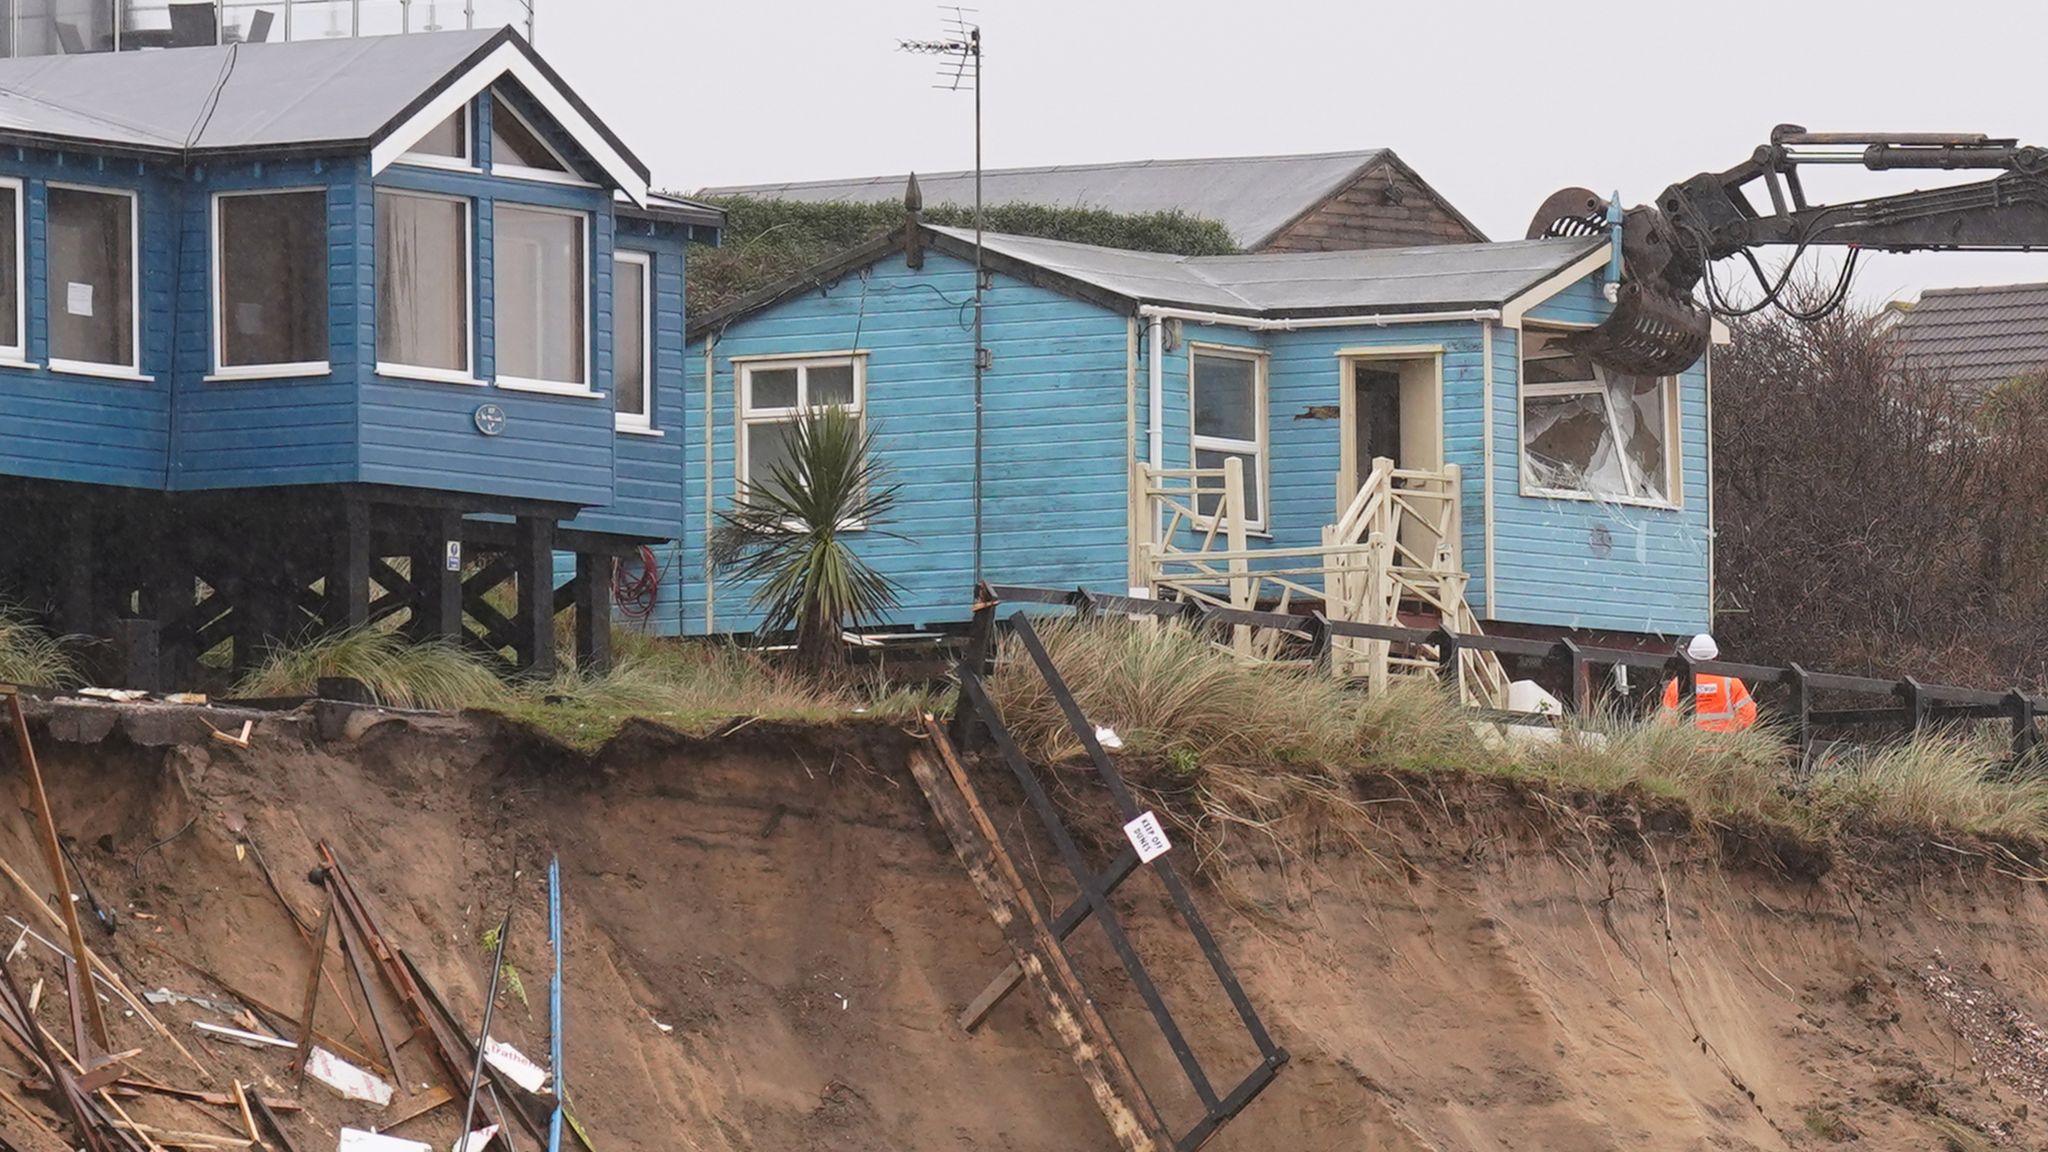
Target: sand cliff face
[[769, 941]]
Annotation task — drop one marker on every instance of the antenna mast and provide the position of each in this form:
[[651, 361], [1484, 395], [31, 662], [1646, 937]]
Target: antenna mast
[[959, 52]]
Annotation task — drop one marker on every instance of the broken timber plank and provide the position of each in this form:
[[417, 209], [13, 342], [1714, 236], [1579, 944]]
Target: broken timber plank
[[53, 856], [1117, 1091], [1076, 914]]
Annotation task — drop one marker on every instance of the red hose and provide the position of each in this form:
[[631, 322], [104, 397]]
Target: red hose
[[635, 596]]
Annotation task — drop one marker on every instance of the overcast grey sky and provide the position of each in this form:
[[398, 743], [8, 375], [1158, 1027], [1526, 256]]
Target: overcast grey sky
[[1496, 103]]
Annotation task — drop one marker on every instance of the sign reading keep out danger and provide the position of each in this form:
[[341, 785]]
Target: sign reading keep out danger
[[1147, 838]]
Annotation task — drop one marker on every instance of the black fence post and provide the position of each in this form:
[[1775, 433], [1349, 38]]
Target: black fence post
[[1447, 648], [1798, 684], [1318, 629], [2024, 738], [1913, 695], [981, 643], [1578, 678], [1688, 677], [1084, 604]]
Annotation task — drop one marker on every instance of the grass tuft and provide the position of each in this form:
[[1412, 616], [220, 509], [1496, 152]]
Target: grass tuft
[[29, 655], [398, 671], [1944, 780]]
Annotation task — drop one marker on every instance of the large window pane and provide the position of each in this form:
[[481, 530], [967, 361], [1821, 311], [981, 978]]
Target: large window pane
[[10, 269], [768, 448], [273, 279], [423, 281], [1226, 398], [92, 277], [1568, 446], [629, 339], [539, 270], [513, 143], [1640, 428]]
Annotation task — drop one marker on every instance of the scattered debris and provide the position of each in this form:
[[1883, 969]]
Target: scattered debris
[[516, 1066], [351, 1082], [240, 741], [117, 695], [165, 996], [478, 1140], [1107, 737], [239, 1036], [357, 1140]]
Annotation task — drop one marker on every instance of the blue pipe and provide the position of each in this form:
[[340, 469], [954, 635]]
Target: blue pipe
[[555, 1003], [1614, 221]]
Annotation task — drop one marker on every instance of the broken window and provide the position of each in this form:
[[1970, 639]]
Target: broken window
[[1590, 432], [92, 280], [775, 394], [423, 293], [540, 275], [270, 290], [1229, 406], [632, 362]]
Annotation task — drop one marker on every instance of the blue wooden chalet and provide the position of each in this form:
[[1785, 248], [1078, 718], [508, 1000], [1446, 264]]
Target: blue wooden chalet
[[305, 334], [1401, 434]]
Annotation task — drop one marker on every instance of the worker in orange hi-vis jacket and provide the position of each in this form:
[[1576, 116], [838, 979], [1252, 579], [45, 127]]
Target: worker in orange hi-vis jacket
[[1719, 703]]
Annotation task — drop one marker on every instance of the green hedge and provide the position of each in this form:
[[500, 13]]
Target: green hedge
[[767, 241]]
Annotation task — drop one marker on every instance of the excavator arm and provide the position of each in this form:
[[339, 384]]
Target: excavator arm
[[1659, 324]]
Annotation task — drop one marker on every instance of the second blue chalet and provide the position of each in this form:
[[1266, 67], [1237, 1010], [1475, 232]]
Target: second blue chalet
[[305, 334]]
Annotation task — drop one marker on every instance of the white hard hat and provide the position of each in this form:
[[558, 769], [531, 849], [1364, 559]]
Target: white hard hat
[[1702, 647]]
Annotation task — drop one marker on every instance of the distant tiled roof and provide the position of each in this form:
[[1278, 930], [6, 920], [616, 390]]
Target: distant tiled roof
[[1253, 197], [1977, 338]]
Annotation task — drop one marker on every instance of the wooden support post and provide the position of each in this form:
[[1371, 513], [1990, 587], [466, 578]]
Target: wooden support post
[[437, 578], [1447, 658], [594, 612], [2024, 738], [1800, 706], [139, 653], [255, 603], [1578, 678], [981, 646], [534, 630], [348, 576], [311, 1002], [53, 855], [172, 594], [75, 602], [1241, 585], [1913, 695], [1073, 1016]]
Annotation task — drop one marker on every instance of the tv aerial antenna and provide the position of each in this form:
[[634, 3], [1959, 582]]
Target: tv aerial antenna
[[959, 53]]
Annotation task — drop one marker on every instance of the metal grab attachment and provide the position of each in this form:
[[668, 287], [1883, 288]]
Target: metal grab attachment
[[1047, 950]]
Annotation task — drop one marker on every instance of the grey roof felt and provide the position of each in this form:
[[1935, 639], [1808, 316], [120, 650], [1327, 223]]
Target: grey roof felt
[[270, 95], [1305, 283], [1251, 196], [1977, 338]]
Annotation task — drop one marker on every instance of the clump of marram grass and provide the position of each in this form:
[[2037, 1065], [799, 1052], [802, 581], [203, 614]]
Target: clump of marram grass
[[29, 655], [1942, 780], [399, 672], [1717, 774]]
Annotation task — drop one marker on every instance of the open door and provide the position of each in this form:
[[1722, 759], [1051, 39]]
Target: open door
[[1391, 407]]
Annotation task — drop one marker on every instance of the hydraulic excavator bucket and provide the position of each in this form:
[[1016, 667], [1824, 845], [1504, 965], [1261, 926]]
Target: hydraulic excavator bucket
[[1647, 334]]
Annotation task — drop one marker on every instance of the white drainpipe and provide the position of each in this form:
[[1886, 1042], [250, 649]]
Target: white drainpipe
[[1155, 423]]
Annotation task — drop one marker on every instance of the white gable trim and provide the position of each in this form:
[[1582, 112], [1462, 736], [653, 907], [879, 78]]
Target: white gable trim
[[1512, 312], [508, 60]]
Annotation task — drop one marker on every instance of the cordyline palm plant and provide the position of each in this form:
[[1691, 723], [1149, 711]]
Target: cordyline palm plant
[[788, 532]]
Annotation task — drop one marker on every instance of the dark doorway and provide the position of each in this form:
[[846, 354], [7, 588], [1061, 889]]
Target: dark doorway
[[1378, 412]]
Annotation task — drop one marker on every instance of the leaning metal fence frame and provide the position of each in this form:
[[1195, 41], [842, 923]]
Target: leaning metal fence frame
[[1096, 886], [1918, 706]]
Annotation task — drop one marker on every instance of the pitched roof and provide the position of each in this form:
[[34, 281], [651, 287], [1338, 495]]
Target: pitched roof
[[1277, 285], [1977, 338], [1253, 197], [290, 95], [1305, 283]]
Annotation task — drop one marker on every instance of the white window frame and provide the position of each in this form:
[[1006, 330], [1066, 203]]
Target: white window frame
[[16, 355], [1674, 472], [320, 367], [642, 421], [567, 175], [467, 162], [587, 389], [746, 415], [133, 369], [1255, 518], [395, 369]]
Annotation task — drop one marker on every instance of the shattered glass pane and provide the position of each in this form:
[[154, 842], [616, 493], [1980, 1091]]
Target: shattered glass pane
[[1568, 445], [1641, 426]]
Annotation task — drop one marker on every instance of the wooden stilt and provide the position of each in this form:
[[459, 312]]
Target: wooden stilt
[[348, 579], [594, 612], [534, 630]]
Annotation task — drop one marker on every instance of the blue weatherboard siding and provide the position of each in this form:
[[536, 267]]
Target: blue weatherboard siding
[[59, 426], [1584, 302], [1054, 414], [1602, 564]]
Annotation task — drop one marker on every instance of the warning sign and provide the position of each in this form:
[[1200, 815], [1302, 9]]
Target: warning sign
[[1147, 838]]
